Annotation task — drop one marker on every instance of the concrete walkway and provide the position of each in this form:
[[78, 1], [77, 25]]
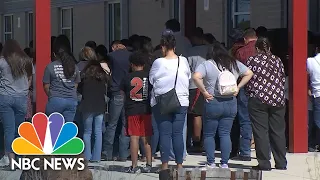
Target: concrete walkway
[[300, 167]]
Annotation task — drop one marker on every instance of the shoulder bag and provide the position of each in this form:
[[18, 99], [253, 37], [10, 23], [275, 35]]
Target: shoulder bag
[[169, 102]]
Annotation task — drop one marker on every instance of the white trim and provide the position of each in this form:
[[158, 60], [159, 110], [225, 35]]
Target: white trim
[[4, 26], [114, 1]]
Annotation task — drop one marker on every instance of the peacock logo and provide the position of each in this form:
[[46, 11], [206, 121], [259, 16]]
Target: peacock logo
[[48, 136]]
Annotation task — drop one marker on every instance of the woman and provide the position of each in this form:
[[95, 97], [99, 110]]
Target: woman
[[266, 106], [93, 107], [162, 77], [60, 81], [15, 79], [219, 110]]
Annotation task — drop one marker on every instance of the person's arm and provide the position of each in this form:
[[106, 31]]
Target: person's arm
[[246, 76], [197, 77], [46, 89], [198, 80], [154, 69], [46, 81], [245, 73]]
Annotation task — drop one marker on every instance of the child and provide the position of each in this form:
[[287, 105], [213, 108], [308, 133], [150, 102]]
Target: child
[[93, 107], [138, 111]]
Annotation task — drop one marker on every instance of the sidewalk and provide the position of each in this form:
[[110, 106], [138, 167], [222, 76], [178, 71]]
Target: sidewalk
[[300, 167]]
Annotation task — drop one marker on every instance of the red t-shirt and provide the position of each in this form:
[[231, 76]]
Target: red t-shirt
[[246, 51]]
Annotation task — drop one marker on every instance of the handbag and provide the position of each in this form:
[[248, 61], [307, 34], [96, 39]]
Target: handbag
[[169, 103]]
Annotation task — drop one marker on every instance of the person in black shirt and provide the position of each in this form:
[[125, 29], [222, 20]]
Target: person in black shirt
[[93, 107], [138, 111]]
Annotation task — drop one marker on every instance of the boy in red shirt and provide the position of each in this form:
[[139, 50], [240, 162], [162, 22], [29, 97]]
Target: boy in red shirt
[[138, 111]]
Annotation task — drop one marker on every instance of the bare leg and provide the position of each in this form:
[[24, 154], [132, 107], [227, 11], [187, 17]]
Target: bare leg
[[197, 127], [147, 148], [134, 148]]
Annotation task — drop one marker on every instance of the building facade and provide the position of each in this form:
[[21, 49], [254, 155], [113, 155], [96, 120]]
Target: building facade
[[106, 20]]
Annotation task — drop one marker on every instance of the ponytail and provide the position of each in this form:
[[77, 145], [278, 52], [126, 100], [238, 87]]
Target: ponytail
[[68, 63], [263, 45]]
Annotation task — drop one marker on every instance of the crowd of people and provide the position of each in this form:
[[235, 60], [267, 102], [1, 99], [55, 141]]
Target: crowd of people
[[183, 95]]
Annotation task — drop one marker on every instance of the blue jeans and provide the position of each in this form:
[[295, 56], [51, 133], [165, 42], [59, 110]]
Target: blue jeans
[[92, 119], [172, 156], [65, 106], [12, 113], [171, 129], [155, 136], [117, 116], [316, 116], [245, 124], [218, 116]]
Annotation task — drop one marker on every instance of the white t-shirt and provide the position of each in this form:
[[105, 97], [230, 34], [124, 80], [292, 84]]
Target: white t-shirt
[[162, 77]]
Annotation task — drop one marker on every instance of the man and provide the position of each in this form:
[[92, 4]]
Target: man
[[313, 68], [119, 60], [182, 43], [242, 54], [197, 37], [196, 56]]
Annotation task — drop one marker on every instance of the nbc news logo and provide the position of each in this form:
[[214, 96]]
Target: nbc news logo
[[48, 136]]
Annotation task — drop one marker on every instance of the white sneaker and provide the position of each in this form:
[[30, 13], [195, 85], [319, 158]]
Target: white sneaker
[[208, 167], [224, 166], [4, 161]]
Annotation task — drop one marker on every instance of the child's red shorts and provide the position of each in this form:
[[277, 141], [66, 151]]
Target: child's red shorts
[[139, 125]]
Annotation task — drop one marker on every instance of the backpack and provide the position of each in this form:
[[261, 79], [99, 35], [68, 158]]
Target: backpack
[[226, 82]]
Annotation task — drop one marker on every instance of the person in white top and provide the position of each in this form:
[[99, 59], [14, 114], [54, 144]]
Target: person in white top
[[313, 68], [162, 78]]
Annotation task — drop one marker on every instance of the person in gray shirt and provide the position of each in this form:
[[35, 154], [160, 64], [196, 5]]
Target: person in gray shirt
[[60, 79], [219, 111], [196, 56], [15, 80]]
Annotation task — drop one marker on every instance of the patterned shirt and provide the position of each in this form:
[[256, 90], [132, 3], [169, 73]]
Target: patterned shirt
[[267, 83]]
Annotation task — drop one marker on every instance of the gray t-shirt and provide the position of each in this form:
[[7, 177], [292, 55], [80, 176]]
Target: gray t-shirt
[[210, 75], [196, 56], [59, 85], [10, 86]]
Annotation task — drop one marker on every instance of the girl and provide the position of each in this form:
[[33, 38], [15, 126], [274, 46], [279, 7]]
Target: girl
[[93, 107]]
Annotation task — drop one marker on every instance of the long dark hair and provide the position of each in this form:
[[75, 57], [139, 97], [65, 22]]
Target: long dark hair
[[62, 52], [222, 57], [93, 70], [19, 62]]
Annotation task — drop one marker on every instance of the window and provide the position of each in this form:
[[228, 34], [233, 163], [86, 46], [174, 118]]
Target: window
[[114, 9], [30, 26], [8, 27], [66, 23], [241, 14]]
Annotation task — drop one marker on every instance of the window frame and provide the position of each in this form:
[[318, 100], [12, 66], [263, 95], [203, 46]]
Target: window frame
[[29, 39], [111, 20], [62, 27], [235, 13], [4, 26]]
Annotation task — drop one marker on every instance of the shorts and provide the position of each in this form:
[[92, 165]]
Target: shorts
[[196, 102], [139, 125]]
